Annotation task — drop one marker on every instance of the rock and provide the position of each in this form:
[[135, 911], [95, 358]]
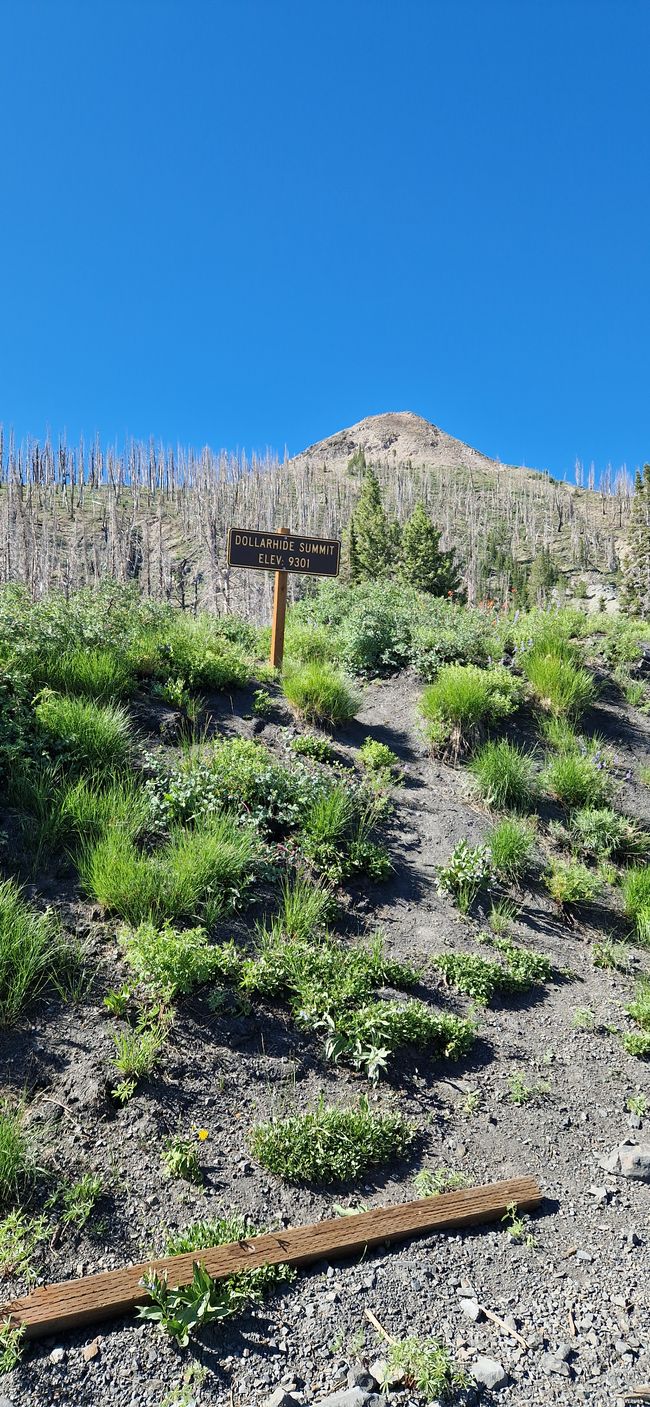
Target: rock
[[279, 1398], [563, 1352], [471, 1309], [628, 1160], [6, 1402], [359, 1376], [57, 1355], [383, 1375], [551, 1364], [91, 1350], [352, 1397], [490, 1373]]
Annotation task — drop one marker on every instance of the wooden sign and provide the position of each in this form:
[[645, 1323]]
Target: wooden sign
[[282, 552], [53, 1309]]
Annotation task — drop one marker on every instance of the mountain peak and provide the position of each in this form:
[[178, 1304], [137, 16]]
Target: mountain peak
[[397, 437]]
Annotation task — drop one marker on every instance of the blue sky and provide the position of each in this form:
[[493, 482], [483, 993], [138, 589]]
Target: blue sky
[[249, 223]]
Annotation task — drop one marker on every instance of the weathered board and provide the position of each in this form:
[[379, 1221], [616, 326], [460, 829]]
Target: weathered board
[[54, 1308], [283, 552]]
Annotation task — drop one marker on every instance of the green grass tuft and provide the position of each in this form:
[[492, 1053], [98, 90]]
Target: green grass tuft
[[505, 776], [33, 952], [636, 898], [320, 694], [87, 735], [511, 845]]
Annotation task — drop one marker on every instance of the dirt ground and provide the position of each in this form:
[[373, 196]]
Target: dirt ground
[[584, 1285]]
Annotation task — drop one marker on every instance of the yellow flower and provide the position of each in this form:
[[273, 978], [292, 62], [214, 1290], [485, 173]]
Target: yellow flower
[[203, 1134]]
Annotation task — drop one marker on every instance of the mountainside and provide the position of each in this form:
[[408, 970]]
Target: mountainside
[[71, 515], [400, 436]]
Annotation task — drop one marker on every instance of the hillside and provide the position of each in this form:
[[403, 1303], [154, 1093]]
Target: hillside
[[70, 516]]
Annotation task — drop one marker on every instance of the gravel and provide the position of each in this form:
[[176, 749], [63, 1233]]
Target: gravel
[[583, 1284]]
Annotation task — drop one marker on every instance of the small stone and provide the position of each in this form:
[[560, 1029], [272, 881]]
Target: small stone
[[383, 1375], [551, 1364], [57, 1355], [635, 1162], [358, 1376], [6, 1402], [352, 1397], [279, 1398], [471, 1309], [490, 1373], [91, 1350], [563, 1352]]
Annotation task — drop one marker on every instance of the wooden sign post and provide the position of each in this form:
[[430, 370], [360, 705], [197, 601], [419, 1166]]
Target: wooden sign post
[[282, 552]]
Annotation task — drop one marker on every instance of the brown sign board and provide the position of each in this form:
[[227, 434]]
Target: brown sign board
[[283, 552]]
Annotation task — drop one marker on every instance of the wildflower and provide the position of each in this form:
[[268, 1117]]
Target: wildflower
[[202, 1134]]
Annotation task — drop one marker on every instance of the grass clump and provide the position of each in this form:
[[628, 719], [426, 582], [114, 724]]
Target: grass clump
[[570, 884], [468, 870], [511, 845], [577, 779], [462, 701], [137, 1052], [601, 832], [196, 650], [505, 776], [88, 736], [636, 898], [560, 686], [195, 873], [33, 952], [15, 1159], [170, 962], [92, 672], [330, 1145], [320, 694], [336, 833]]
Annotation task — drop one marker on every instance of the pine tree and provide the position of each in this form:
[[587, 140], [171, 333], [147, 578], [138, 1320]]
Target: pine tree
[[423, 565], [375, 539], [635, 566], [544, 575]]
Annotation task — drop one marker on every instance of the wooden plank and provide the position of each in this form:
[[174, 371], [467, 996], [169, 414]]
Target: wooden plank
[[54, 1308], [279, 617]]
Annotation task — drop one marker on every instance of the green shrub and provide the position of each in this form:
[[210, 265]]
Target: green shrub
[[511, 845], [426, 1367], [320, 694], [366, 1036], [95, 673], [464, 699], [577, 779], [378, 758], [211, 865], [199, 650], [561, 688], [33, 951], [330, 1145], [468, 870], [636, 899], [233, 775], [87, 735], [505, 775], [171, 962], [570, 883], [224, 1231], [601, 832], [307, 745], [638, 1042], [481, 978]]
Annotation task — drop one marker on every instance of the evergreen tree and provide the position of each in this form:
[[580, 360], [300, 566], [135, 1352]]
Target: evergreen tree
[[422, 564], [544, 575], [375, 539], [635, 566]]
